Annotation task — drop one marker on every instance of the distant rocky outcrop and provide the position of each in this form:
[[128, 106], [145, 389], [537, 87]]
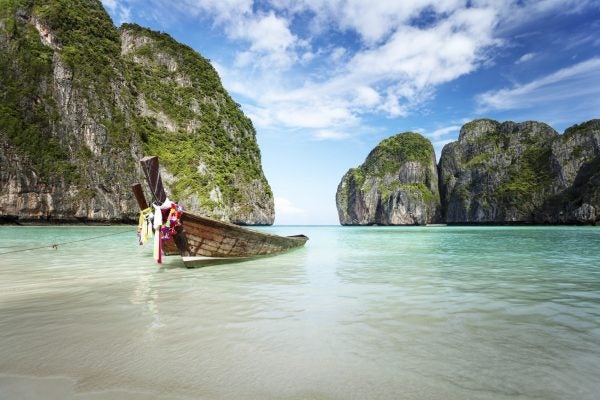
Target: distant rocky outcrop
[[396, 185], [81, 101], [575, 167], [515, 173], [495, 173]]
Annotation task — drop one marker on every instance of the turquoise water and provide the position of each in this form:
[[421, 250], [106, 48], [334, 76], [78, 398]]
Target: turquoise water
[[359, 313]]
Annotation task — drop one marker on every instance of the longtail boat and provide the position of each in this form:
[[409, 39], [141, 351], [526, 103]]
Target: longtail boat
[[201, 240]]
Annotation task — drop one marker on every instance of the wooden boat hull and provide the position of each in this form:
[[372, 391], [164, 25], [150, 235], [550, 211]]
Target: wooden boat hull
[[199, 236], [170, 248], [202, 236]]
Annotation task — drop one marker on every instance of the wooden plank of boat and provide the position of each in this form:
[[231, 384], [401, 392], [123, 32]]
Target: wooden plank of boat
[[211, 238], [207, 237]]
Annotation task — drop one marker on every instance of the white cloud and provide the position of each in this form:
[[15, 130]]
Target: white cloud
[[561, 86], [438, 133], [337, 54], [366, 96], [326, 134], [223, 11], [268, 33], [373, 21], [110, 4], [392, 78], [515, 13], [438, 147], [271, 42], [439, 137], [117, 7], [285, 208], [393, 57], [525, 58]]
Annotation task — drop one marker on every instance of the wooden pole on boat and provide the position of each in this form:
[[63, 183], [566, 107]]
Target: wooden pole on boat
[[139, 195], [150, 167]]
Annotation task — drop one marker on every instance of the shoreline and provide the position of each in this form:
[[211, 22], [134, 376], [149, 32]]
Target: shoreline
[[10, 221], [4, 221], [488, 224]]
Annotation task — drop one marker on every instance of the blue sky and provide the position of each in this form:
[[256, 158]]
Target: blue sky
[[325, 81]]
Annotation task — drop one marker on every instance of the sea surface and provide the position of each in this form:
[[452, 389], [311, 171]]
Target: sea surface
[[359, 313]]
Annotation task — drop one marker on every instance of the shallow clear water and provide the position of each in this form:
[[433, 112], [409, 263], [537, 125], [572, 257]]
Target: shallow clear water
[[359, 313]]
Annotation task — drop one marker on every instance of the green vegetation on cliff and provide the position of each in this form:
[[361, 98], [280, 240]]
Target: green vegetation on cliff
[[209, 143], [396, 185], [27, 110], [88, 39], [527, 178], [81, 34], [404, 147], [391, 153], [525, 146], [81, 101], [520, 173]]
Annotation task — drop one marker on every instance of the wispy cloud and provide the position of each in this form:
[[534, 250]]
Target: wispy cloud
[[562, 86], [441, 136], [272, 44], [118, 8], [525, 58], [393, 67], [387, 58], [515, 13], [392, 77], [438, 133], [438, 147]]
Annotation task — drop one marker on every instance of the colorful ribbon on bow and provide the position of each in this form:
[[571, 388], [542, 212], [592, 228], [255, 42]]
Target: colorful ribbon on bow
[[162, 222], [144, 230]]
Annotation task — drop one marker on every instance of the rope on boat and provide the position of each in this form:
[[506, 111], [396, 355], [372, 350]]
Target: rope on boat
[[55, 245]]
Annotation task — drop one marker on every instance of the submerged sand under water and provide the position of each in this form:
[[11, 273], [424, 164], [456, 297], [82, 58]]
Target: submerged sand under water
[[359, 313]]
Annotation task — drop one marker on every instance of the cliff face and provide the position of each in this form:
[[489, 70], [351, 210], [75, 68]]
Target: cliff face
[[81, 101], [575, 165], [521, 173], [396, 185], [60, 157], [205, 143], [496, 172]]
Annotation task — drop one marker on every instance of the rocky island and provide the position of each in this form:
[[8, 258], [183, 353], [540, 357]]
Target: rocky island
[[396, 185], [495, 173], [80, 103]]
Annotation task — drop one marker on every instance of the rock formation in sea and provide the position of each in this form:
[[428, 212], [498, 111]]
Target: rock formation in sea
[[396, 185], [81, 101], [575, 167], [498, 173], [495, 173]]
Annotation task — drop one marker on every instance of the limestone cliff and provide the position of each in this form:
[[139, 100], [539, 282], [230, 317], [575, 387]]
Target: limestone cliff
[[205, 143], [575, 166], [396, 185], [496, 173], [61, 157], [499, 173], [81, 102]]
